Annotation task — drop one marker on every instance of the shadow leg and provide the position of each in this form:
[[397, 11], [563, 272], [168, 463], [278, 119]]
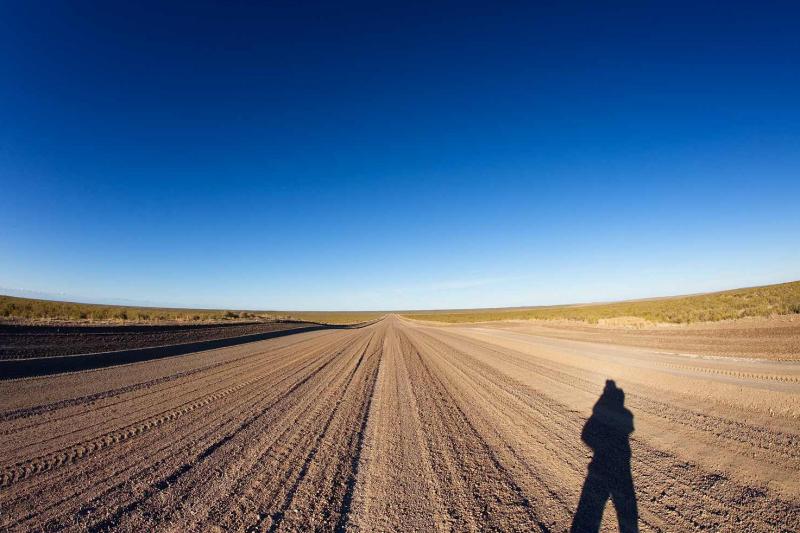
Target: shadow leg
[[590, 507], [624, 499]]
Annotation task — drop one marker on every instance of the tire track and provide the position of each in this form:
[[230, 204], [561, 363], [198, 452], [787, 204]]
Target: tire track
[[22, 470], [175, 451], [662, 475], [333, 385], [175, 475], [87, 400], [156, 398], [489, 495], [785, 444]]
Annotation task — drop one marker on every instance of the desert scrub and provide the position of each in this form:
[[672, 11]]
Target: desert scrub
[[14, 308], [781, 299]]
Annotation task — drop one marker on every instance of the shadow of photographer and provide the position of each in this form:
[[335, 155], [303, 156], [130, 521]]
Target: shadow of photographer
[[609, 474]]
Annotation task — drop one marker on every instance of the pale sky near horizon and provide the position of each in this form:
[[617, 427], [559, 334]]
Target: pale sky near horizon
[[364, 156]]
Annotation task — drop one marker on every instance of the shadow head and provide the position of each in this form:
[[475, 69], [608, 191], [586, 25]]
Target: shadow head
[[612, 394]]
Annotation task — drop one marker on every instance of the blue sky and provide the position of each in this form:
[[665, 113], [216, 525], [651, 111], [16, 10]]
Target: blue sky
[[364, 156]]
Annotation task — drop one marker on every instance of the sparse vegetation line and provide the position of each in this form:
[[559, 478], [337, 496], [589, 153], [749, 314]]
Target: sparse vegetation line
[[781, 299], [29, 309]]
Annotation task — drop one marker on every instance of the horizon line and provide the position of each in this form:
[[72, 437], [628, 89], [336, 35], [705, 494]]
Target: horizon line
[[53, 297]]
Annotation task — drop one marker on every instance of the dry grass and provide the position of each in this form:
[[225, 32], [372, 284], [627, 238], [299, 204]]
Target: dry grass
[[28, 309], [755, 301], [768, 300]]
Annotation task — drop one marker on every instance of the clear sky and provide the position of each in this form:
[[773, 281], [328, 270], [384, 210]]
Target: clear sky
[[279, 155]]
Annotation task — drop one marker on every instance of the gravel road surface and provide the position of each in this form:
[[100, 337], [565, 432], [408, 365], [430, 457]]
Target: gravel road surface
[[399, 426]]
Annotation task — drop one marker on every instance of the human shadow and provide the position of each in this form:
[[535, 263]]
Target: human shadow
[[609, 475]]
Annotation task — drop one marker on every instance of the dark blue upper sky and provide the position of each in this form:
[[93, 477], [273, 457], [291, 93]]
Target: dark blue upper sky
[[394, 156]]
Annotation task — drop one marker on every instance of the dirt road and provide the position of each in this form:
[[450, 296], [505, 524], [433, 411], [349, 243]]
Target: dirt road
[[776, 338], [401, 426]]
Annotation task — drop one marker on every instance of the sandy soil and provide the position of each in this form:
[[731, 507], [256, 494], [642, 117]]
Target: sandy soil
[[400, 426]]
